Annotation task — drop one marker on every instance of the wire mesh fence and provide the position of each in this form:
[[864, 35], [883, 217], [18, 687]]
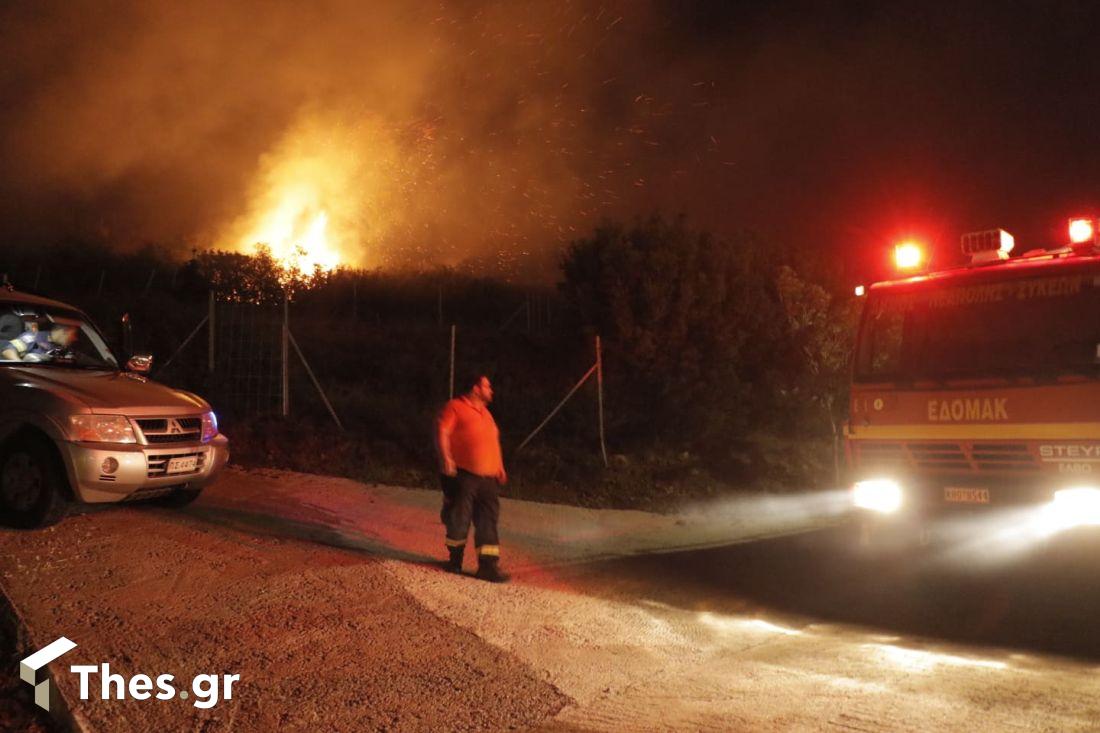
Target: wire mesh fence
[[248, 358], [367, 352]]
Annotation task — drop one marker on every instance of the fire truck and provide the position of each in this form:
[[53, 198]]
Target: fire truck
[[977, 388]]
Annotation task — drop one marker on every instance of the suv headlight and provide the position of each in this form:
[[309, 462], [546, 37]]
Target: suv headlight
[[101, 429], [209, 426]]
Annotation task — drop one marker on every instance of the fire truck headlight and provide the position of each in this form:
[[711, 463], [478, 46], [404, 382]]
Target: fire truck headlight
[[879, 495], [1076, 507]]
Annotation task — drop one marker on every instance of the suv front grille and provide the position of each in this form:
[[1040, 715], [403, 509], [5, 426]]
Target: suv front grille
[[161, 430], [158, 464]]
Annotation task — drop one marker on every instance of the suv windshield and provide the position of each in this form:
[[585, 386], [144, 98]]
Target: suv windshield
[[1038, 326], [34, 334]]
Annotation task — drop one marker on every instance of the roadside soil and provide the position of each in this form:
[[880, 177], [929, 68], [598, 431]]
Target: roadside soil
[[756, 614], [322, 638], [17, 709]]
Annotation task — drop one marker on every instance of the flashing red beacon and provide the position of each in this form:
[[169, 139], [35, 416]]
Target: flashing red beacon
[[908, 256], [1082, 230]]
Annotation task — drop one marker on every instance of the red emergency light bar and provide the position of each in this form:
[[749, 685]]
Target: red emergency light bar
[[988, 246]]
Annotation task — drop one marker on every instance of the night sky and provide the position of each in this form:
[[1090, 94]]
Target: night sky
[[493, 133]]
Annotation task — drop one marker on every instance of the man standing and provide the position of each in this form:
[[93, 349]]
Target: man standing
[[469, 450]]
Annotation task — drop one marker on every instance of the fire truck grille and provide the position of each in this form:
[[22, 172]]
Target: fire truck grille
[[948, 456], [980, 457], [1002, 457], [882, 455]]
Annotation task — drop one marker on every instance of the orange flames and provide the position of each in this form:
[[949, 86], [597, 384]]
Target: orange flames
[[298, 239], [317, 199]]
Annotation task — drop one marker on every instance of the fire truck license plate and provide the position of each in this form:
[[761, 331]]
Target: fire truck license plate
[[966, 496], [183, 464]]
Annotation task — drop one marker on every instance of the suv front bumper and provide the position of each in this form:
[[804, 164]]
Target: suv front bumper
[[142, 470]]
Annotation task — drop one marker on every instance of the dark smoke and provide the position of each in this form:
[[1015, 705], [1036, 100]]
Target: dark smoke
[[495, 132]]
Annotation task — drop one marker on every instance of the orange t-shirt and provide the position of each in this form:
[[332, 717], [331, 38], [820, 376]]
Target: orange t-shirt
[[475, 439]]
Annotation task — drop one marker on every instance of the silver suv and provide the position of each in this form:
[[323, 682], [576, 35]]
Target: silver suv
[[76, 426]]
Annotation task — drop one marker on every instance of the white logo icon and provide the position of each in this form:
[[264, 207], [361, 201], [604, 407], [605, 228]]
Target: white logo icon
[[32, 670]]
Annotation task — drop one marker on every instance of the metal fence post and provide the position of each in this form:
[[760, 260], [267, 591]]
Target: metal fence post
[[452, 392], [313, 378], [599, 398], [284, 356], [560, 405], [211, 333], [183, 345]]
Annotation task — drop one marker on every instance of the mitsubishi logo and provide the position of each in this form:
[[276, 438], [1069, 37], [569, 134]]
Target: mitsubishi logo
[[174, 427]]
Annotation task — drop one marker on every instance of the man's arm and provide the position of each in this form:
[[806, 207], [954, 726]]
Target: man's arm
[[15, 349], [444, 426]]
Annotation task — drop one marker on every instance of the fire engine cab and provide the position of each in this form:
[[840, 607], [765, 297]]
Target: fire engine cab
[[977, 389]]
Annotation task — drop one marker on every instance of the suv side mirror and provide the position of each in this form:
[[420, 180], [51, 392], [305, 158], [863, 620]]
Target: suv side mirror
[[140, 363]]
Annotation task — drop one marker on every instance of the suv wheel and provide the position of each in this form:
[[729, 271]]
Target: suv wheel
[[32, 492]]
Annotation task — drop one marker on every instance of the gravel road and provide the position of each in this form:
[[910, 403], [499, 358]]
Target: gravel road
[[325, 596]]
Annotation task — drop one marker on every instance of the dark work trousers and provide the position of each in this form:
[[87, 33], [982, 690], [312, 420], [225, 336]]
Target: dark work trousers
[[477, 499], [449, 484]]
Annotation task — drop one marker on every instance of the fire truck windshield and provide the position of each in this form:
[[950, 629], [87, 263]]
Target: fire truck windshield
[[1020, 327]]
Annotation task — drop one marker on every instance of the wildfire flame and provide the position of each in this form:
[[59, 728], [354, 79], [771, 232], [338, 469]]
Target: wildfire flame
[[315, 200], [328, 194], [298, 239]]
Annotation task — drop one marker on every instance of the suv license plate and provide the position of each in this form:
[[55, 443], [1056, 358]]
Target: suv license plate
[[183, 464], [966, 496]]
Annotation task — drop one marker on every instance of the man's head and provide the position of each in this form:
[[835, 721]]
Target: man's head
[[480, 388], [63, 334]]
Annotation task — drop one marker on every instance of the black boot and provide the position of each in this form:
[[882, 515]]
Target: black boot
[[488, 568], [454, 565]]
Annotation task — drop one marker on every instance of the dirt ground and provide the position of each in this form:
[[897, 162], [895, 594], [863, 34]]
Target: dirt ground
[[17, 710], [326, 597]]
